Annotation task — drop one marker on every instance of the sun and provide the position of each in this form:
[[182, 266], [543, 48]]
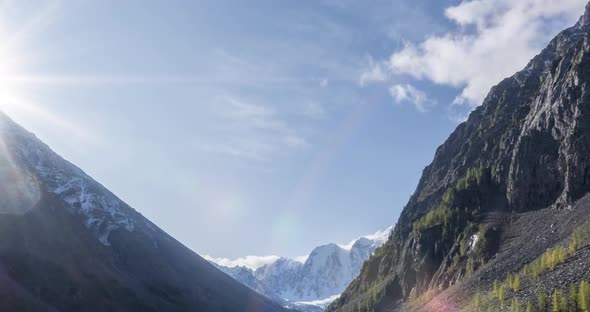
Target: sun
[[20, 28]]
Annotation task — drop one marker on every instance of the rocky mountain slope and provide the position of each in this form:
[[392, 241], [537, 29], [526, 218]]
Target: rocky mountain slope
[[518, 165], [312, 285], [71, 245]]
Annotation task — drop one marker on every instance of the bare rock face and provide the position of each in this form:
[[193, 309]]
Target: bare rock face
[[527, 147]]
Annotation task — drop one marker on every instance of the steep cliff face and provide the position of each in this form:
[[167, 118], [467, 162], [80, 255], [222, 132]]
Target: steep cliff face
[[525, 148]]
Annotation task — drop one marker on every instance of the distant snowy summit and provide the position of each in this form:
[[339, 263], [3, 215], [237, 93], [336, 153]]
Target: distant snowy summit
[[312, 281]]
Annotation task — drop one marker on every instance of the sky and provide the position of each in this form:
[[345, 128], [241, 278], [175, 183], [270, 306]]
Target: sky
[[262, 127]]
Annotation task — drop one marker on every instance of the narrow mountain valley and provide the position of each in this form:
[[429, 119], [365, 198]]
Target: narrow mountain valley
[[499, 220]]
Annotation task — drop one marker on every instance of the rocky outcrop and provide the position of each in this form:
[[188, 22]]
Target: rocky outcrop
[[527, 147]]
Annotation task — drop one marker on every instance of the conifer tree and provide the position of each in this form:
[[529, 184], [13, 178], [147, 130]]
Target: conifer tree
[[555, 302], [515, 305], [561, 254], [529, 307], [516, 283], [478, 301], [573, 297], [542, 300], [563, 304], [554, 259], [502, 295], [584, 296], [537, 267]]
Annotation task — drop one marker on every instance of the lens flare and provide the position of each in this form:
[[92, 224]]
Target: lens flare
[[20, 189]]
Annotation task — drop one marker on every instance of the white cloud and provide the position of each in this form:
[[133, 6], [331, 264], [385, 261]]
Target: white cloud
[[251, 262], [301, 259], [493, 40], [375, 73], [379, 236], [254, 262], [250, 131], [405, 93]]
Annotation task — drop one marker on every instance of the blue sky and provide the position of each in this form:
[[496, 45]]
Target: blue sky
[[261, 127]]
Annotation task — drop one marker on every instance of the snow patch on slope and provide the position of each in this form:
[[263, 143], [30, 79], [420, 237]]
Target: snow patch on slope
[[101, 210]]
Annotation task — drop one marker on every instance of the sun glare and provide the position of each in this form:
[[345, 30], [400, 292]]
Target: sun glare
[[20, 30]]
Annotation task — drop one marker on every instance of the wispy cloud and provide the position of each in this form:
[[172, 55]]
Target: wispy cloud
[[301, 259], [379, 237], [375, 72], [251, 131], [254, 262], [251, 262], [405, 93]]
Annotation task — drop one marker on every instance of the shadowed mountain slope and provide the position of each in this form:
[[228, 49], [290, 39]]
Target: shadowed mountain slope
[[71, 245]]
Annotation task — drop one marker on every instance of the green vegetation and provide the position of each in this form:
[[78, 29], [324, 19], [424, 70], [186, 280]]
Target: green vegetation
[[556, 256], [577, 299], [529, 307], [472, 177], [563, 303], [574, 299], [463, 248], [367, 302], [513, 281], [448, 213], [470, 267], [573, 296], [515, 307], [478, 301], [502, 295], [584, 296], [580, 235], [557, 302], [425, 297], [548, 261], [542, 299]]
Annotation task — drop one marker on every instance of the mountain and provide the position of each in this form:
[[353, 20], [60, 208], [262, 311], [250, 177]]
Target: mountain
[[509, 183], [326, 272], [316, 282], [71, 245], [246, 276]]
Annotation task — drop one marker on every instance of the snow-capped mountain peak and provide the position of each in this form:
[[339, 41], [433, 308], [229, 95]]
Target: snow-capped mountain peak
[[378, 238], [101, 210], [317, 278]]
